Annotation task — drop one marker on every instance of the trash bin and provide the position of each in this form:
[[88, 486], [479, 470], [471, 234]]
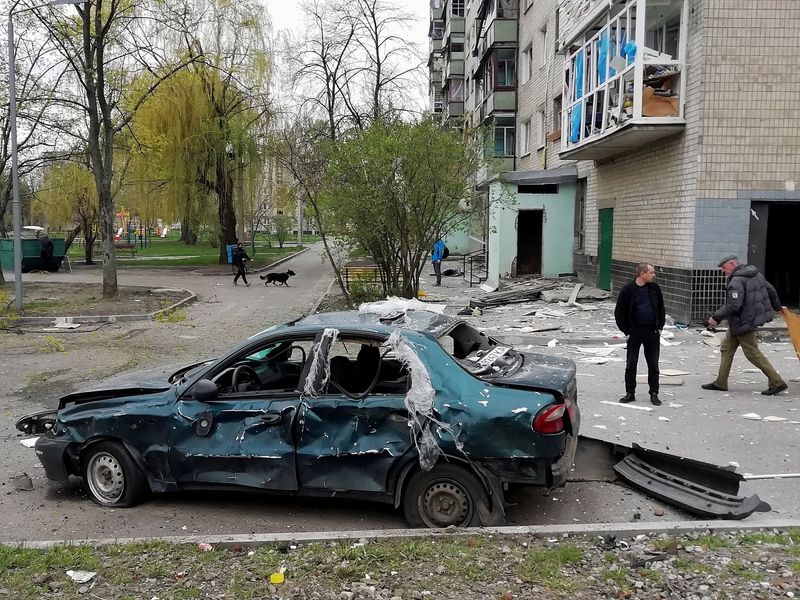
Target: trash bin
[[229, 250]]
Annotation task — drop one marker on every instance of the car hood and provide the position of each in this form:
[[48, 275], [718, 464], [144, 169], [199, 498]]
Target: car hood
[[540, 371]]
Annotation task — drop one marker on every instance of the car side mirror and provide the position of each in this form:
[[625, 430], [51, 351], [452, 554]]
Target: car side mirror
[[205, 390]]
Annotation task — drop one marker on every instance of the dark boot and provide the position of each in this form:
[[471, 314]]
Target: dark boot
[[654, 400], [629, 397], [713, 386], [771, 391]]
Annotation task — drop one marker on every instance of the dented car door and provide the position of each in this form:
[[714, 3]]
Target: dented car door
[[241, 439]]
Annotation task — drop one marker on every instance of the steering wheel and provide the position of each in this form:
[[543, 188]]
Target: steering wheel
[[247, 375]]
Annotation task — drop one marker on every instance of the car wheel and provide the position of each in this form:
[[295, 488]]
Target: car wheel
[[447, 495], [111, 476]]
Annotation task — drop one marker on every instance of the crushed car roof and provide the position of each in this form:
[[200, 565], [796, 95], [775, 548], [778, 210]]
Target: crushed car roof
[[417, 320]]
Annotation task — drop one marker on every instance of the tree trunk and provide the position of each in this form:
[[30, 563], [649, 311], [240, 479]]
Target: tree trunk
[[227, 218]]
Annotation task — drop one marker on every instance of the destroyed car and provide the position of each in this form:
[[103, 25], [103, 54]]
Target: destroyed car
[[412, 408]]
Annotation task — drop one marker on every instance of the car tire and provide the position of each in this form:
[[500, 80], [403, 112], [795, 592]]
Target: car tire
[[444, 496], [111, 477]]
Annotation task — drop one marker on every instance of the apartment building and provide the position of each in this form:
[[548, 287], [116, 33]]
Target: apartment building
[[670, 128]]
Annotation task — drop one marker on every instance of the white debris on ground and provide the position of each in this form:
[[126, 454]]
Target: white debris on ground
[[394, 304]]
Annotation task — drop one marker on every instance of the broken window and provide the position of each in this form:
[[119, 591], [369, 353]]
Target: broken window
[[625, 66], [360, 365], [478, 353]]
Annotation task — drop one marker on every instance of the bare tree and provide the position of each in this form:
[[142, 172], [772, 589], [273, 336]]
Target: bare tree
[[111, 45]]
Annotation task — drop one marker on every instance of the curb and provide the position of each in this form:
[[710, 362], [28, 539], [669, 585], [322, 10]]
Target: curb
[[109, 318], [587, 529], [319, 301]]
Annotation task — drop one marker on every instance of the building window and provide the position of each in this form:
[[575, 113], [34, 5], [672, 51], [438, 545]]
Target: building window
[[506, 67], [506, 9], [555, 134], [437, 30], [456, 47], [458, 8], [527, 64], [543, 46], [504, 137], [455, 91], [525, 138], [540, 133]]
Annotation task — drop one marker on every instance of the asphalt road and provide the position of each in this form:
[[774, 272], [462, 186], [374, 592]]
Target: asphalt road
[[223, 316]]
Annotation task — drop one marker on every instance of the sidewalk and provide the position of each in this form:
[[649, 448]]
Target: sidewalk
[[757, 434]]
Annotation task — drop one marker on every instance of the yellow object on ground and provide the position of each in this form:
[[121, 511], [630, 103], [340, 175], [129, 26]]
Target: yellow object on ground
[[793, 323], [276, 578]]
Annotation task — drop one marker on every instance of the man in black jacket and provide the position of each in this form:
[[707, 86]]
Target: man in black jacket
[[239, 257], [640, 315], [749, 302]]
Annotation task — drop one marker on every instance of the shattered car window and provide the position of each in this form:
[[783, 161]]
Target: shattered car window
[[478, 353]]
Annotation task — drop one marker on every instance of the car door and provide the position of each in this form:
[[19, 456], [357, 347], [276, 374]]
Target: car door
[[242, 438], [347, 443]]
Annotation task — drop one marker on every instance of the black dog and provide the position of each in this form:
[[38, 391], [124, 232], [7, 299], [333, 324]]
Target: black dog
[[278, 277]]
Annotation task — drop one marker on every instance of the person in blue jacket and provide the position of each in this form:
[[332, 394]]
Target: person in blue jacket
[[436, 259]]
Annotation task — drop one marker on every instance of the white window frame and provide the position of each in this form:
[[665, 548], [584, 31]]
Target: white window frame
[[525, 138], [526, 68]]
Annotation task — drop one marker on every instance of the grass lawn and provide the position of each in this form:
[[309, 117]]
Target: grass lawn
[[171, 252]]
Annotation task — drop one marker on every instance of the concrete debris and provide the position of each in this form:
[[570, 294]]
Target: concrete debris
[[667, 335], [644, 408], [601, 351], [707, 333], [752, 416], [773, 419], [81, 576], [29, 442], [22, 482], [664, 419], [662, 380], [581, 294], [674, 405], [552, 343], [599, 427], [514, 293], [674, 372]]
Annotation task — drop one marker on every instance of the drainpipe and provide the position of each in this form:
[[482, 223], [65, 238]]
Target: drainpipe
[[516, 86], [547, 101]]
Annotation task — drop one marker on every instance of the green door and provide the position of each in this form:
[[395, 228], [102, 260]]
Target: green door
[[604, 250]]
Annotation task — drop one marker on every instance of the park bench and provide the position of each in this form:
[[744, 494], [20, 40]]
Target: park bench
[[126, 248], [360, 271]]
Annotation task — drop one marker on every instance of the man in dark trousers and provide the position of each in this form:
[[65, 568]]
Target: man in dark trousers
[[749, 302], [640, 315], [239, 256]]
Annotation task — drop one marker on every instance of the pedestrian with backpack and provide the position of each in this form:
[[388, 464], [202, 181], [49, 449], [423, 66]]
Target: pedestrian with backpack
[[437, 257]]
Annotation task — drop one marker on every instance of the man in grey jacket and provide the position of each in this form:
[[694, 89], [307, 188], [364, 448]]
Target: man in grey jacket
[[749, 303]]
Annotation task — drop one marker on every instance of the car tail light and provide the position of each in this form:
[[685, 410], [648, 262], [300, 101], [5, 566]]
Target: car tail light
[[550, 419]]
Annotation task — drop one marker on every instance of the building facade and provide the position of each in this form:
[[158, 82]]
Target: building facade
[[679, 119]]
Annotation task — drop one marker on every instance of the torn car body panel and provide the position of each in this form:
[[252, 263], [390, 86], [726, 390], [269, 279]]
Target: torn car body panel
[[698, 487]]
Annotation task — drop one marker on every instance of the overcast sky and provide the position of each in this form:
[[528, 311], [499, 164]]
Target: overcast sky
[[286, 15]]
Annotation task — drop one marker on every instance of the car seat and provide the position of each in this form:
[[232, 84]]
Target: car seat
[[341, 373]]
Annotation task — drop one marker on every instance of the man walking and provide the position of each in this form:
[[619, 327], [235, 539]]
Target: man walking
[[640, 315], [239, 256], [436, 259], [749, 302]]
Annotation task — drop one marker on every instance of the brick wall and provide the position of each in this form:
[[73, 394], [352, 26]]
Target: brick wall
[[751, 100]]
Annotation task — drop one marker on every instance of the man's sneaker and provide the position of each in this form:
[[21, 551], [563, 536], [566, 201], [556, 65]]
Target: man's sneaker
[[627, 398], [713, 386], [771, 391], [654, 400], [247, 284], [235, 282]]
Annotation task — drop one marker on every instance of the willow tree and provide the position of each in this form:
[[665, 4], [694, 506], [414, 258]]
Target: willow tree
[[68, 198], [232, 66], [393, 189]]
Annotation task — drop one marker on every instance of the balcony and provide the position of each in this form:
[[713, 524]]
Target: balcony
[[499, 101], [454, 27], [454, 109], [499, 32], [454, 67], [625, 85]]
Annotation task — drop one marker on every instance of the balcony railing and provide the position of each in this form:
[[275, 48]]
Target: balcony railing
[[499, 101], [454, 67], [499, 32], [454, 109], [455, 26], [619, 93]]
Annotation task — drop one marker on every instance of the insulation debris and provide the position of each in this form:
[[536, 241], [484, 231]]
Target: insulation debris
[[644, 408], [419, 403], [320, 366], [394, 304]]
